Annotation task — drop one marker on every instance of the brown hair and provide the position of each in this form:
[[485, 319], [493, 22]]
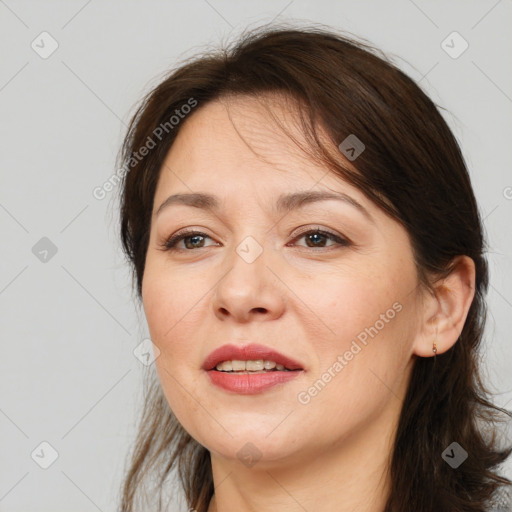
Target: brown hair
[[412, 167]]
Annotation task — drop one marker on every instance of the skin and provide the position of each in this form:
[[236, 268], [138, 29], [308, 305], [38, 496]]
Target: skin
[[306, 297]]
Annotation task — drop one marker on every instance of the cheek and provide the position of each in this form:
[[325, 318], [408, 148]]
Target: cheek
[[364, 353], [353, 306], [357, 381], [172, 313], [170, 303]]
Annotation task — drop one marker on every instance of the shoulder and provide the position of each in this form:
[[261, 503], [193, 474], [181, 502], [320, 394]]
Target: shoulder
[[502, 500]]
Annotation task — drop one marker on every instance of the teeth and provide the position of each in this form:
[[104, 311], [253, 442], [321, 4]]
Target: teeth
[[251, 366], [254, 366], [238, 365]]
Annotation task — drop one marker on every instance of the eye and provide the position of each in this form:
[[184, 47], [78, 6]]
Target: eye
[[195, 240], [195, 237], [314, 238]]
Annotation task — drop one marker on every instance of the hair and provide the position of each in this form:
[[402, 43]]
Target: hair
[[412, 167]]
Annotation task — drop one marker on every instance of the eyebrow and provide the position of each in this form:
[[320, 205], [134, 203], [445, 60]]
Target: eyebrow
[[285, 202]]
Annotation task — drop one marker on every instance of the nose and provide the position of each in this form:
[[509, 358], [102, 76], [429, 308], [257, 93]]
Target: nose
[[250, 289]]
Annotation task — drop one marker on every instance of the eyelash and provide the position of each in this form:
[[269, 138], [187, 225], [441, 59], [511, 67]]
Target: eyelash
[[171, 242]]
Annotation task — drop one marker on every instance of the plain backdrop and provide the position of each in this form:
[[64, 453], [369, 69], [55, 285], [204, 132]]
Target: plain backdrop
[[68, 374]]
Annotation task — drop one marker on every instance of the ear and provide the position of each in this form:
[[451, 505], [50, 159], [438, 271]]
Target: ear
[[445, 310]]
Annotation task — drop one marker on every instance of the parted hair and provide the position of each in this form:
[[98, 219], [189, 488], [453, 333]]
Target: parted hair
[[412, 167]]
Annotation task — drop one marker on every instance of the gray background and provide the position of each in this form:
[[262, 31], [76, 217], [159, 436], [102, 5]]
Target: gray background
[[68, 375]]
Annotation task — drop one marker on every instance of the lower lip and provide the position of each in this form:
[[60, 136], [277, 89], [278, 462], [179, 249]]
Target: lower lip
[[250, 384]]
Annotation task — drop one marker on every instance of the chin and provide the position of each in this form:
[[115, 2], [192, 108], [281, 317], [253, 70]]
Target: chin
[[252, 451]]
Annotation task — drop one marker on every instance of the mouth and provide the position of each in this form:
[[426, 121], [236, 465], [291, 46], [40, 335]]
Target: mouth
[[249, 359], [249, 369]]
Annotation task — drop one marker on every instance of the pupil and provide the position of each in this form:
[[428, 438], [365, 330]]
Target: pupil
[[316, 235], [191, 238]]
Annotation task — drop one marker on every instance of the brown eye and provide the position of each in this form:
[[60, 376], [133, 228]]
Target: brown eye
[[192, 240], [316, 238]]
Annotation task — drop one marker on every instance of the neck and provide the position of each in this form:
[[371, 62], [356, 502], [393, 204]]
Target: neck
[[351, 475]]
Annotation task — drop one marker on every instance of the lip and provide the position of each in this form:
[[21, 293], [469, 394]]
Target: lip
[[246, 383], [249, 352]]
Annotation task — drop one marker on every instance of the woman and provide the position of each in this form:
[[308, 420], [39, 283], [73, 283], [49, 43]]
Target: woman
[[309, 255]]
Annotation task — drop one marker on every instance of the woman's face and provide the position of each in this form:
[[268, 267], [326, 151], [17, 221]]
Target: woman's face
[[346, 307]]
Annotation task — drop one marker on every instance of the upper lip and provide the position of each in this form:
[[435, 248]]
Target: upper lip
[[249, 352]]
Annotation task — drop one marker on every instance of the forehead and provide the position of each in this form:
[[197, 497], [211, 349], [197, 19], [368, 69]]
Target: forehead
[[244, 141], [242, 127]]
